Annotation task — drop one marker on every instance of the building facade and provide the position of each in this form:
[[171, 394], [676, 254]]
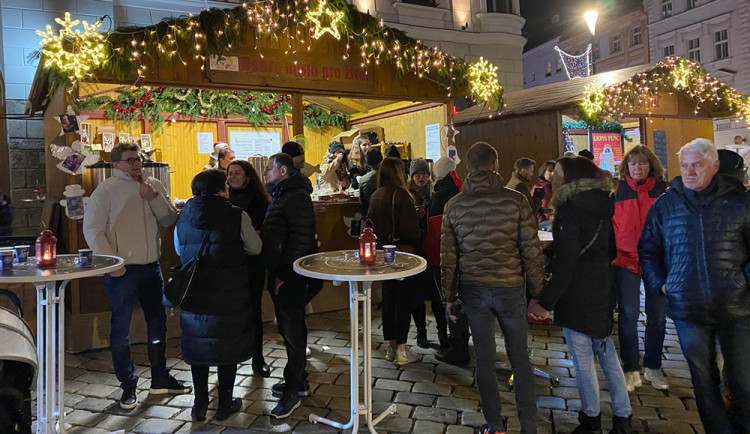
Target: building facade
[[466, 29]]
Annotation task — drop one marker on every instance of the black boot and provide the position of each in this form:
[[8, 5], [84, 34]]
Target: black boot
[[588, 424], [443, 339], [200, 405], [227, 405], [457, 353], [622, 425], [422, 341]]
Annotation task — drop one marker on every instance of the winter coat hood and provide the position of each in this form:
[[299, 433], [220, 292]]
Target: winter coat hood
[[482, 182], [207, 212], [588, 195]]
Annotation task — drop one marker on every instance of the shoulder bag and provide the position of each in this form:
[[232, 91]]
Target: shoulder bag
[[178, 285]]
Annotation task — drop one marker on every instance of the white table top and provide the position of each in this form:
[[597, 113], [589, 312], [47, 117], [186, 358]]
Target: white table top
[[67, 268], [344, 265]]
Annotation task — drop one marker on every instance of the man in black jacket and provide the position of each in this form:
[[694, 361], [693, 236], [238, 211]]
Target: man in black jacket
[[695, 248], [288, 233]]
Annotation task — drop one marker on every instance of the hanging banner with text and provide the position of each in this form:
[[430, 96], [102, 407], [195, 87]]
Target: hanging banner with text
[[607, 150], [246, 144]]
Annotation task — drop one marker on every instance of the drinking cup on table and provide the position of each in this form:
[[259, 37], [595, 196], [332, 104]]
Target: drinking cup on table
[[22, 253], [389, 253], [6, 259], [85, 257]]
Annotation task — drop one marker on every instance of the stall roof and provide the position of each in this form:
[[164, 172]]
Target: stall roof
[[553, 96]]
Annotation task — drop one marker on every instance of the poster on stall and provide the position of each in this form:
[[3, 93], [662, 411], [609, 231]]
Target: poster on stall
[[610, 143], [246, 144], [660, 148], [432, 141], [205, 143]]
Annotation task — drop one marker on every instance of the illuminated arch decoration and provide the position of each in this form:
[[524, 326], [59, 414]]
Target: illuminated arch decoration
[[575, 66]]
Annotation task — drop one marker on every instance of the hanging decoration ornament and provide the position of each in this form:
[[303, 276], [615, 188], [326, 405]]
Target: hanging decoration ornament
[[593, 99], [71, 51], [483, 82], [74, 203], [681, 75], [576, 66], [74, 158], [315, 17], [70, 122]]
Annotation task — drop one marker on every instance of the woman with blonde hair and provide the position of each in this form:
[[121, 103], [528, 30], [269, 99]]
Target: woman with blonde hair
[[357, 165], [641, 182], [394, 220]]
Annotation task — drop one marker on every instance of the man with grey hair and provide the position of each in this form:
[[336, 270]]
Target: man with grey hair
[[695, 250], [122, 219]]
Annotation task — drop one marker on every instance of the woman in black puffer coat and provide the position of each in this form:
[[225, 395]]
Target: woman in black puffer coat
[[216, 320], [246, 191]]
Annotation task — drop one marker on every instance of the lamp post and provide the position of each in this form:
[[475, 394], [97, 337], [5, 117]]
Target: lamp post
[[590, 18]]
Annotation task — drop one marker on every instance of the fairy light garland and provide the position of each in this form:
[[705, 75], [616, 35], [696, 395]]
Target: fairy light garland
[[672, 74], [293, 25], [483, 80]]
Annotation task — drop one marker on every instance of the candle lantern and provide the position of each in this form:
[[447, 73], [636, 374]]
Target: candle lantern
[[368, 244], [46, 250]]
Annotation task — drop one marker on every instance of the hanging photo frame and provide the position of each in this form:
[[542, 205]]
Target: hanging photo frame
[[86, 132], [146, 142], [69, 123], [123, 137], [108, 141]]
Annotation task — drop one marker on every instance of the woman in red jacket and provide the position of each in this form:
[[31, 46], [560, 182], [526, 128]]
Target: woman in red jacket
[[641, 182]]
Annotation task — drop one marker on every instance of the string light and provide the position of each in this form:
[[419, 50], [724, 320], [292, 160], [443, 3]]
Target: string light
[[483, 80], [72, 52], [334, 17]]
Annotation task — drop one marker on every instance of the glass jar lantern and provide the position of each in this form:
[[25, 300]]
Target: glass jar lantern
[[368, 244], [46, 250]]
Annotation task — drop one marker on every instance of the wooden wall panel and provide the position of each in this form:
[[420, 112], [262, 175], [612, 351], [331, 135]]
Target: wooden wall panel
[[409, 128], [679, 132], [178, 142], [316, 145]]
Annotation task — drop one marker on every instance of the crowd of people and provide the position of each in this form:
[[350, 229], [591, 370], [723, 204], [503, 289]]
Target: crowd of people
[[687, 243]]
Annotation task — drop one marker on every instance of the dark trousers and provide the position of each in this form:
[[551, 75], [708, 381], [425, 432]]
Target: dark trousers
[[430, 293], [396, 311], [628, 286], [142, 283], [226, 373], [257, 278], [698, 343], [289, 305], [507, 306]]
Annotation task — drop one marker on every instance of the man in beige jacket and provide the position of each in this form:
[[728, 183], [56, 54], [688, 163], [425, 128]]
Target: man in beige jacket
[[489, 243]]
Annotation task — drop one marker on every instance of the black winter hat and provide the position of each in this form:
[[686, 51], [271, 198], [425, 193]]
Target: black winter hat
[[373, 157], [392, 151], [335, 146]]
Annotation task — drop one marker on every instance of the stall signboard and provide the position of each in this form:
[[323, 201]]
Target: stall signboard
[[205, 143], [432, 141], [607, 149], [277, 69], [246, 144], [660, 148]]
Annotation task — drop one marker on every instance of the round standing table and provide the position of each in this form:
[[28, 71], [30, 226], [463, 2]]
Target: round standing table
[[344, 265], [50, 327]]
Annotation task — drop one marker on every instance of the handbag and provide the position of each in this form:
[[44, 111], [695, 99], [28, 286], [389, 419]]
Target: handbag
[[178, 285], [401, 247]]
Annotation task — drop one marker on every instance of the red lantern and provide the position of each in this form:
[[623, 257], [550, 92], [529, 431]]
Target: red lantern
[[46, 250], [368, 244]]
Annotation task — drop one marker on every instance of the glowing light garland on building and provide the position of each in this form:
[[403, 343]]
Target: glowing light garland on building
[[575, 66], [483, 80]]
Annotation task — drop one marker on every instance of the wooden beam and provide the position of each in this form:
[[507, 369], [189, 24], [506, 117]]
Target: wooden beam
[[351, 104], [398, 112], [298, 125]]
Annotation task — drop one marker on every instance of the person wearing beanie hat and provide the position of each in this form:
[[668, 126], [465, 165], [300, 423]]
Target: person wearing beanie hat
[[442, 168], [213, 159], [297, 152], [369, 181], [392, 151], [334, 174], [586, 154]]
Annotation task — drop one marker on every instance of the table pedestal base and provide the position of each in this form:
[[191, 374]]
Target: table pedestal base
[[50, 349], [365, 408]]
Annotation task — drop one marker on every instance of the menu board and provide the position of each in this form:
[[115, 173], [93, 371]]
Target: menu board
[[246, 144], [660, 147]]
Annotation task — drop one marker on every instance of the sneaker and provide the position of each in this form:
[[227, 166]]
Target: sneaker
[[128, 400], [287, 404], [403, 358], [169, 385], [633, 380], [485, 429], [278, 390], [308, 351], [656, 377], [390, 354]]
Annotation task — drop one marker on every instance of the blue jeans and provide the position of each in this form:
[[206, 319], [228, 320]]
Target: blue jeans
[[698, 343], [584, 349], [143, 283], [628, 286], [507, 306]]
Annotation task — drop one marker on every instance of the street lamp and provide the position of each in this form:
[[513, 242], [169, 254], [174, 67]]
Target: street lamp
[[590, 18]]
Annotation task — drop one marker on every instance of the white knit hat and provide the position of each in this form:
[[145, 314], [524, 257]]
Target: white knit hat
[[443, 167]]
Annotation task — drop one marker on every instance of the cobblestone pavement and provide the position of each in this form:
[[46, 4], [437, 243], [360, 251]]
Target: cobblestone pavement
[[432, 397]]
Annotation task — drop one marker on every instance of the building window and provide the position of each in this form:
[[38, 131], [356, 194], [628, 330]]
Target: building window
[[616, 44], [694, 49], [666, 8], [721, 44], [558, 67], [595, 51], [669, 51], [690, 4], [499, 6], [548, 71], [637, 35]]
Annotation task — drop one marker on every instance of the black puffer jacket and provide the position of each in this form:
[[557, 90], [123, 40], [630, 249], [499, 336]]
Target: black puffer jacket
[[253, 203], [580, 290], [288, 231], [442, 192], [217, 328], [697, 245]]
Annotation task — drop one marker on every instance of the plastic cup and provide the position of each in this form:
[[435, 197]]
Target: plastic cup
[[6, 260], [22, 253], [84, 257], [389, 253]]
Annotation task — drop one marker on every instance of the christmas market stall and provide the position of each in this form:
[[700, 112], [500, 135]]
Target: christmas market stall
[[662, 106], [254, 77]]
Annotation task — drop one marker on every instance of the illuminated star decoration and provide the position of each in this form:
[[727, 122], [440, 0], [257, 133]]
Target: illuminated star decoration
[[71, 51], [681, 75], [575, 66], [483, 80], [314, 18], [593, 98]]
